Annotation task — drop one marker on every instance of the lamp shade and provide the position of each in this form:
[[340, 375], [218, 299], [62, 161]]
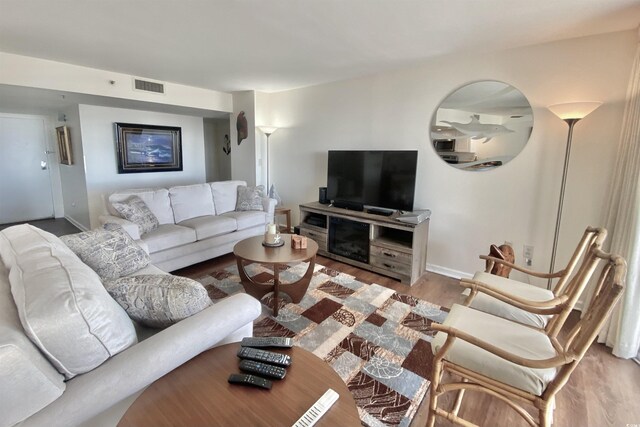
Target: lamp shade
[[574, 110], [267, 130]]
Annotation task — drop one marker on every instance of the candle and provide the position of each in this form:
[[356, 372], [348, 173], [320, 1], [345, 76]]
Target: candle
[[271, 229]]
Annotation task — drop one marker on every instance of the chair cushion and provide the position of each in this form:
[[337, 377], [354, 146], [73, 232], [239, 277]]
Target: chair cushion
[[28, 382], [89, 325], [156, 199], [190, 201], [211, 225], [491, 305], [135, 210], [250, 198], [225, 194], [248, 219], [111, 253], [19, 239], [159, 300], [509, 336], [168, 236]]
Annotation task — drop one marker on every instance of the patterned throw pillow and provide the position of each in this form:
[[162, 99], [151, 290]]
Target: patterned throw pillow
[[158, 300], [250, 198], [110, 252], [134, 209]]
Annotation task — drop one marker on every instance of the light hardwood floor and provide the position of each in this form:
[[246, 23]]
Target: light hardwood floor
[[603, 391]]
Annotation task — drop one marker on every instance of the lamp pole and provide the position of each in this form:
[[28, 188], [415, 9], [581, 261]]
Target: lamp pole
[[267, 130]]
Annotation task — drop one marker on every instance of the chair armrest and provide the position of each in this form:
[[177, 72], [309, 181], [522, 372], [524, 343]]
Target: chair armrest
[[129, 227], [522, 269], [552, 306], [269, 206], [140, 365], [453, 333]]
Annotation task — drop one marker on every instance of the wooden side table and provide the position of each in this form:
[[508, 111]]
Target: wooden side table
[[287, 213], [250, 251]]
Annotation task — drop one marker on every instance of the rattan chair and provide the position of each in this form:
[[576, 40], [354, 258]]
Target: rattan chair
[[533, 305], [518, 364]]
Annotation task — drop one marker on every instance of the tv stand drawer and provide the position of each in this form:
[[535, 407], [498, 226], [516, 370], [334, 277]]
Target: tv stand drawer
[[390, 265], [319, 237], [391, 255]]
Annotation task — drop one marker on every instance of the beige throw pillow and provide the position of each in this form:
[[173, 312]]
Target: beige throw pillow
[[134, 209], [250, 198], [158, 300], [110, 252]]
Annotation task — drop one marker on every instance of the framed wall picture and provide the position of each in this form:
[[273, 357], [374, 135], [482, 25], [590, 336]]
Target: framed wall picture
[[148, 148], [64, 145]]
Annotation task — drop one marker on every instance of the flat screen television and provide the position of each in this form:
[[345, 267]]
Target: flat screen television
[[382, 179]]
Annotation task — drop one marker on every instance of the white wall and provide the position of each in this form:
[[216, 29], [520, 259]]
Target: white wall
[[516, 202], [99, 144], [244, 157]]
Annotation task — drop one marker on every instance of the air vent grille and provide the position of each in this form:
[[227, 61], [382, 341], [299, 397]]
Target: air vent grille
[[149, 86]]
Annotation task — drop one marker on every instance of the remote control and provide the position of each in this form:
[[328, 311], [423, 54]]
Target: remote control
[[264, 356], [267, 342], [317, 410], [263, 369], [250, 380]]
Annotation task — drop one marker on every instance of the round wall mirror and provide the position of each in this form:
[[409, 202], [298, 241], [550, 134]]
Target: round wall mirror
[[481, 125]]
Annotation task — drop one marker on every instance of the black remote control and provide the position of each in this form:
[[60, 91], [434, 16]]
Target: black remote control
[[267, 342], [264, 356], [250, 380], [262, 369]]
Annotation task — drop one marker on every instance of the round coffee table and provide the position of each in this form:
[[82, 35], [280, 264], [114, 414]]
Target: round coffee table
[[198, 394], [251, 250]]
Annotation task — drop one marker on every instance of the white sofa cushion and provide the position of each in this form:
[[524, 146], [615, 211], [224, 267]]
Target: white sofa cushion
[[158, 300], [509, 336], [28, 382], [19, 239], [168, 236], [156, 199], [89, 327], [211, 225], [190, 201], [225, 194], [489, 304], [248, 219], [111, 253]]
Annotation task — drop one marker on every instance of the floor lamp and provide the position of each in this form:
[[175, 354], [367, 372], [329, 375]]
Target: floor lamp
[[267, 130], [572, 113]]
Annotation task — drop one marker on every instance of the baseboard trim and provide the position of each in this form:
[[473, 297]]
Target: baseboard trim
[[449, 272], [76, 223]]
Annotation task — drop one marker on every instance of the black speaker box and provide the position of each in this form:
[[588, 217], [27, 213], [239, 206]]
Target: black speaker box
[[322, 196]]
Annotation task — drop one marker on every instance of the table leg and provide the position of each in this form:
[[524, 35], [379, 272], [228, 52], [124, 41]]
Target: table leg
[[276, 288]]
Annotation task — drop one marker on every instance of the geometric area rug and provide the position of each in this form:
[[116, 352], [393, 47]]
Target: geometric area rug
[[376, 339]]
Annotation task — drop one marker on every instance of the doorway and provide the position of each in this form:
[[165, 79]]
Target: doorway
[[25, 180]]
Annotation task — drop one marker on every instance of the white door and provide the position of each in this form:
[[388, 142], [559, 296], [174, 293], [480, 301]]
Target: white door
[[25, 183]]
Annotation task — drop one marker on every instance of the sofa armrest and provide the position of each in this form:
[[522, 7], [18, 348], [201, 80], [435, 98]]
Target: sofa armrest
[[129, 227], [140, 365], [269, 206]]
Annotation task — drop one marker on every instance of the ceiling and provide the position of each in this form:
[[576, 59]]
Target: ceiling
[[274, 45]]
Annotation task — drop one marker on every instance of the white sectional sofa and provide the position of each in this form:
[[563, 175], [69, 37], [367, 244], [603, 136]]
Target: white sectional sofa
[[197, 222], [69, 354]]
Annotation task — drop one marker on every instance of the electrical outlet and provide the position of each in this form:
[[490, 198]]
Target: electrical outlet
[[528, 254]]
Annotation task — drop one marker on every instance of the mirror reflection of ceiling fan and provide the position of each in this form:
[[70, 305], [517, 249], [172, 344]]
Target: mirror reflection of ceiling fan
[[477, 130]]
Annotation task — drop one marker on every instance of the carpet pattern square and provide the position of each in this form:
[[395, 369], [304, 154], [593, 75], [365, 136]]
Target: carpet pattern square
[[376, 339]]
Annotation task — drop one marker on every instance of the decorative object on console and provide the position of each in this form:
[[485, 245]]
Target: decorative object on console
[[110, 252], [273, 194], [64, 145], [268, 130], [272, 236], [148, 148], [571, 113], [242, 127], [250, 198], [500, 126], [134, 209], [158, 300], [298, 242], [376, 339]]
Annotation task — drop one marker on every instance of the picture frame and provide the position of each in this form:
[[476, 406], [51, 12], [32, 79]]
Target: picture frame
[[65, 154], [148, 148]]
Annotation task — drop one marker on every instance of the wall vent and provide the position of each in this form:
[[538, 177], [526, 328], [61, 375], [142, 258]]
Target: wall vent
[[148, 86]]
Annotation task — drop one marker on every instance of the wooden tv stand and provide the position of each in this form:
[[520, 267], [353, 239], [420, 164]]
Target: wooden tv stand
[[396, 249]]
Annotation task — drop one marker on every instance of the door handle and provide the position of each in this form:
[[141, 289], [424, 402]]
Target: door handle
[[43, 165]]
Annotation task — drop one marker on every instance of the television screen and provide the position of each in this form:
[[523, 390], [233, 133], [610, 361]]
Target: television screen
[[384, 179]]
